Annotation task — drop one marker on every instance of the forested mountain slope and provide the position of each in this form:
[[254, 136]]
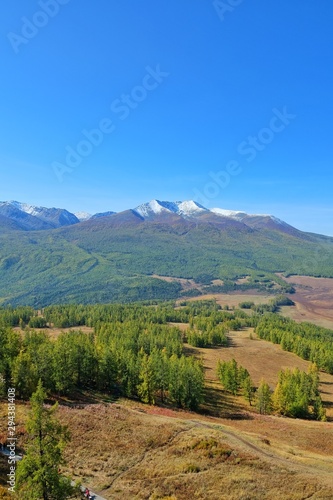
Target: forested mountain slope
[[113, 258]]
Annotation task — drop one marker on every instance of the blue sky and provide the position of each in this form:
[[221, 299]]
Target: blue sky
[[229, 104]]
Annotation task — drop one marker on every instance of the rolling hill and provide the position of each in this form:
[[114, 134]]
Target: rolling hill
[[119, 257]]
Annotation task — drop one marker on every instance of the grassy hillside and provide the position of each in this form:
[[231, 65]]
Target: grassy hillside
[[131, 451], [124, 449], [100, 261]]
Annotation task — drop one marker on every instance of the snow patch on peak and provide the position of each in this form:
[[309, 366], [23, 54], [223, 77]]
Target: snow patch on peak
[[82, 216], [55, 217], [229, 213], [241, 215], [25, 207], [278, 221], [188, 208], [182, 208], [151, 208]]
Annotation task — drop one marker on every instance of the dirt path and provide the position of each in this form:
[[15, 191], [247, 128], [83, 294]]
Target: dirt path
[[322, 468], [325, 469]]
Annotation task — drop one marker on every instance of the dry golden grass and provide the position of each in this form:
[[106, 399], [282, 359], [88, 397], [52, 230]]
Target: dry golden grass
[[127, 453], [54, 332], [233, 300], [127, 450], [262, 359], [186, 284], [313, 300]]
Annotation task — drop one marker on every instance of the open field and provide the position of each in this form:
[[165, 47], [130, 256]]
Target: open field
[[54, 332], [186, 284], [233, 300], [147, 455], [127, 450], [313, 299], [261, 359]]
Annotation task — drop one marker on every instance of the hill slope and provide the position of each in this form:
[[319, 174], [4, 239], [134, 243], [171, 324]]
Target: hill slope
[[113, 258]]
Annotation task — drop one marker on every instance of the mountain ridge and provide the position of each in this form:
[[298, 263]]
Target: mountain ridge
[[31, 217], [125, 256]]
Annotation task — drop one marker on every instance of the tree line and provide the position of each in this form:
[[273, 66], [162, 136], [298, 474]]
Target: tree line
[[133, 358], [308, 341], [137, 351], [296, 393]]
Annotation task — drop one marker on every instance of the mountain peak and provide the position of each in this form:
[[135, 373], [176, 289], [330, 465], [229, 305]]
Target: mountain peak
[[228, 213], [34, 218], [83, 216], [152, 208], [190, 207], [183, 208], [31, 217]]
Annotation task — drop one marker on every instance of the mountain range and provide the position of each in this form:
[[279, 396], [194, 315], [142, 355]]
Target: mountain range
[[26, 217], [22, 216], [158, 250]]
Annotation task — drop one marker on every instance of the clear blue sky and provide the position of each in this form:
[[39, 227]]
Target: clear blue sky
[[180, 91]]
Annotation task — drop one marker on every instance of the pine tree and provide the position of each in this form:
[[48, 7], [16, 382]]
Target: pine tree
[[175, 381], [24, 374], [38, 475], [247, 386], [264, 398], [147, 385], [160, 364], [228, 375]]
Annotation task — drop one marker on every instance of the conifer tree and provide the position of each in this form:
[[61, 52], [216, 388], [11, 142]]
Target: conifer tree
[[38, 475], [264, 398], [147, 385], [247, 386]]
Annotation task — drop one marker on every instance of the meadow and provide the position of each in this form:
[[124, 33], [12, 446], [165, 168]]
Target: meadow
[[125, 448]]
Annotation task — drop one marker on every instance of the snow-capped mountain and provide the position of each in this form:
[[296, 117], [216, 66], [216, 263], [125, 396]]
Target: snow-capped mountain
[[242, 216], [102, 214], [30, 217], [183, 208], [156, 210], [56, 216], [22, 216], [228, 213], [83, 216], [192, 209]]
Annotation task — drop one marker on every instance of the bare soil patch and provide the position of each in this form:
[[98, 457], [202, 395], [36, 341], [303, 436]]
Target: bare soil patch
[[186, 284]]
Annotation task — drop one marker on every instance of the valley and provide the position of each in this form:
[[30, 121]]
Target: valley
[[125, 318], [123, 448], [166, 250], [159, 250]]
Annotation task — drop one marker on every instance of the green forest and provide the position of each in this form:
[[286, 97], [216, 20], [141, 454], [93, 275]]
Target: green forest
[[138, 351], [102, 262], [308, 341], [296, 394]]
